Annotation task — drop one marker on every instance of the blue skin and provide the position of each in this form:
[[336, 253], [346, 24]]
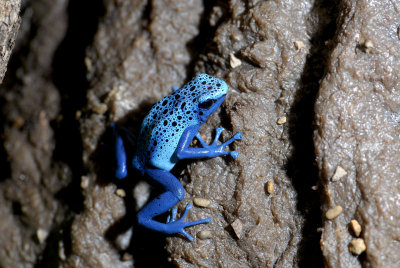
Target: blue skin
[[164, 139]]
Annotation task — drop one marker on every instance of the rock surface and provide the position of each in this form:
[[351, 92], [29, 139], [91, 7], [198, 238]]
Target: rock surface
[[264, 89], [9, 26], [31, 180], [131, 73], [357, 120], [286, 62]]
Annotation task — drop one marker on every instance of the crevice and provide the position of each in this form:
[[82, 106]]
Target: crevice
[[301, 165], [202, 42], [69, 76]]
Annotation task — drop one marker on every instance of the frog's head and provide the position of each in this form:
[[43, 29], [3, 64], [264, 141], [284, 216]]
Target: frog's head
[[211, 94]]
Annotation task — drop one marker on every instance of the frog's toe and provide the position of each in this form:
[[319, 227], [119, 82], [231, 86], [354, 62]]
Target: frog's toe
[[179, 226], [234, 154], [188, 236], [192, 223], [218, 132], [171, 218], [238, 136], [188, 207]]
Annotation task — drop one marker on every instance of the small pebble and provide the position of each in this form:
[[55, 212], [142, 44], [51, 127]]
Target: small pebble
[[127, 257], [339, 173], [270, 187], [42, 235], [237, 227], [333, 212], [84, 182], [281, 120], [314, 188], [193, 142], [100, 109], [299, 44], [120, 192], [357, 246], [18, 122], [88, 64], [205, 234], [235, 62], [61, 251], [368, 46], [356, 227], [201, 202]]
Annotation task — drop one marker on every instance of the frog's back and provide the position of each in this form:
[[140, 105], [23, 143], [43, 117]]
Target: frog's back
[[167, 120], [164, 131]]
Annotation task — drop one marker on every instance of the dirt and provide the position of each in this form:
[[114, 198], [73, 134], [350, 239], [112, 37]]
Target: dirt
[[313, 86]]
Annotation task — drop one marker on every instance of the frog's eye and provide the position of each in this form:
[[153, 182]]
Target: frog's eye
[[207, 104]]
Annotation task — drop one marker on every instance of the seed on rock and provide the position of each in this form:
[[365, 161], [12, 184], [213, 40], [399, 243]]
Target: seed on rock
[[314, 188], [357, 246], [333, 212], [270, 187], [84, 182], [356, 227], [204, 234], [42, 235], [299, 44], [100, 109], [368, 45], [120, 192], [127, 257], [281, 120], [201, 202]]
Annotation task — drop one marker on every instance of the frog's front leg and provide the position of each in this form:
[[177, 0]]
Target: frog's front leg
[[184, 151], [174, 193]]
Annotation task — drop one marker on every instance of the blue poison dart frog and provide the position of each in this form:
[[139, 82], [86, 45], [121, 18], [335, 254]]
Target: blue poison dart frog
[[165, 136]]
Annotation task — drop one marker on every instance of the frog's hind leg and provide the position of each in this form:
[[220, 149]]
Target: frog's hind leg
[[121, 170], [174, 193]]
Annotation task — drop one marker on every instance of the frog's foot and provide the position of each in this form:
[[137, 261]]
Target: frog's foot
[[171, 218], [177, 226], [221, 148]]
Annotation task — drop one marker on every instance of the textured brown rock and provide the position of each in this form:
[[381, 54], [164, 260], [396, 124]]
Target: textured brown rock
[[272, 224], [357, 117], [139, 52], [30, 179], [137, 58], [273, 55], [9, 26]]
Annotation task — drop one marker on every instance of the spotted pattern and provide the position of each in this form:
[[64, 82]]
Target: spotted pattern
[[167, 120]]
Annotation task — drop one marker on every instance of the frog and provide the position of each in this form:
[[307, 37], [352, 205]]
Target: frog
[[165, 138]]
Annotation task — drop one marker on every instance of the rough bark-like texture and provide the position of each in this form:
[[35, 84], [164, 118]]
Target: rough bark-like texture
[[358, 128], [9, 26], [30, 211], [140, 51], [57, 211], [144, 48], [264, 88]]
